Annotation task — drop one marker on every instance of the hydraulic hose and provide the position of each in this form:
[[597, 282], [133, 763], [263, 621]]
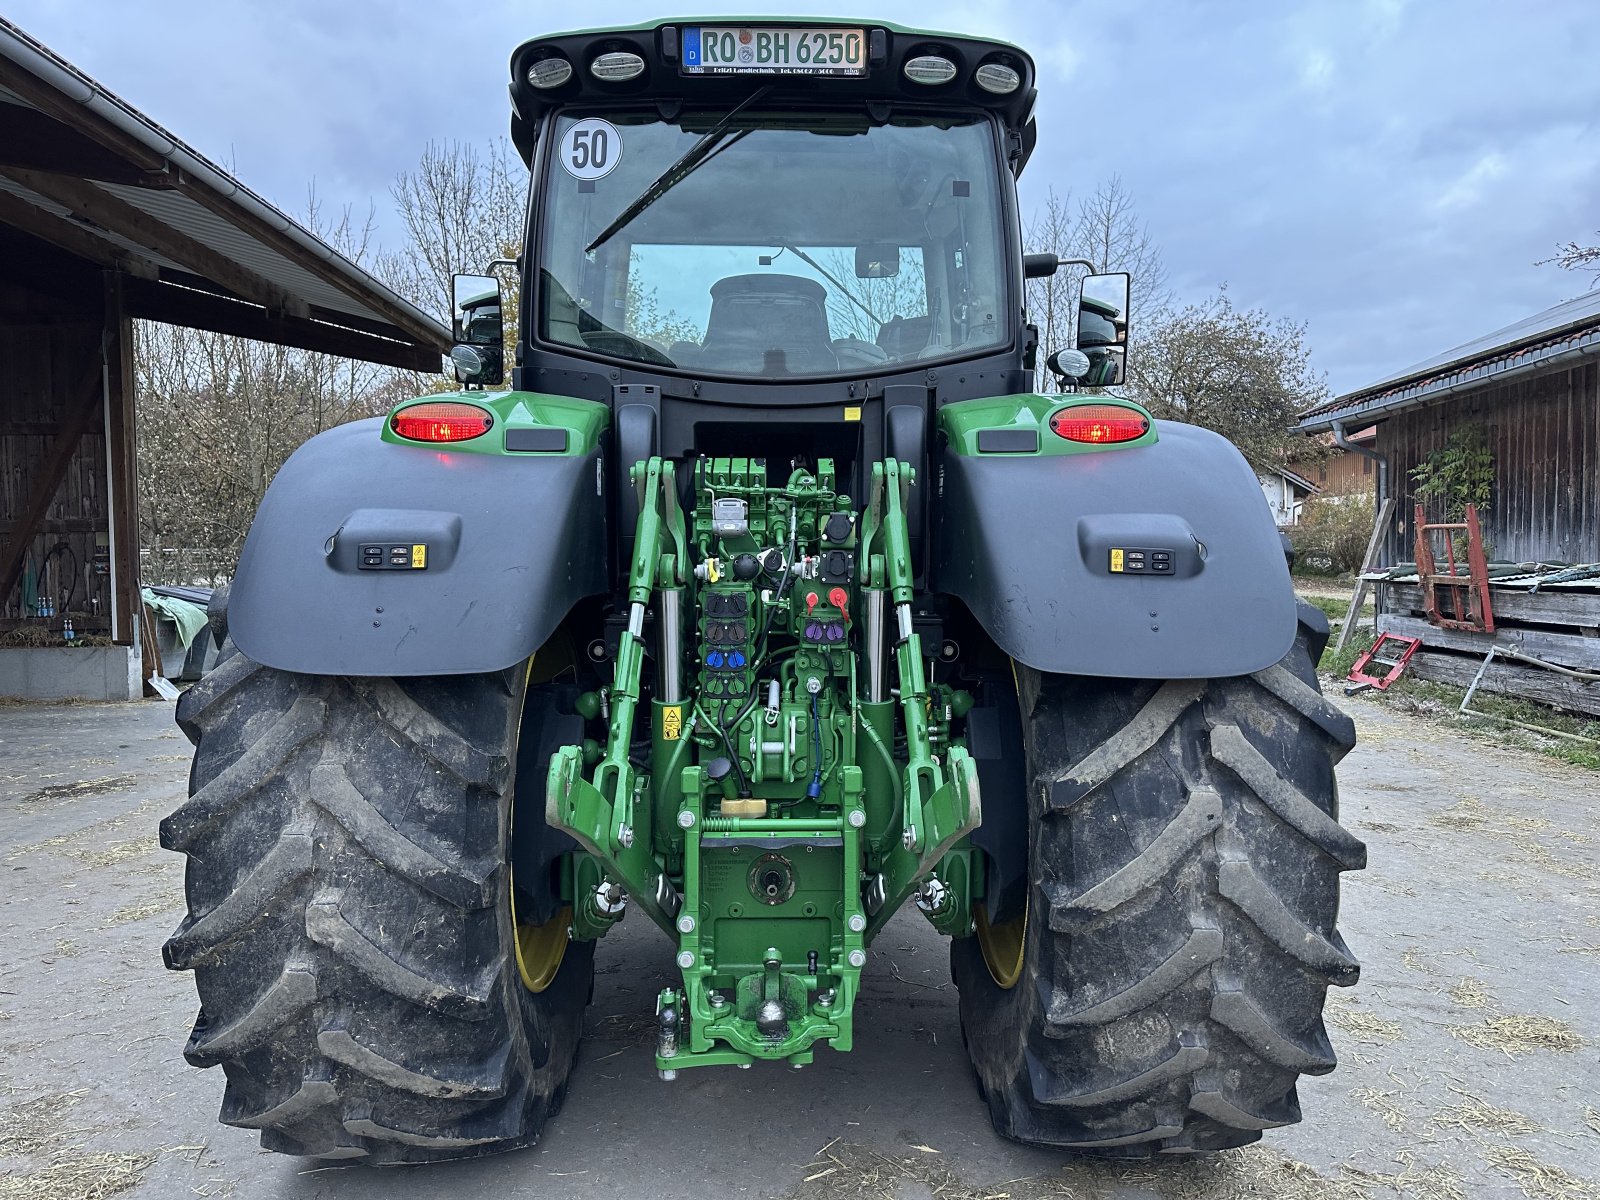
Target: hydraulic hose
[[894, 776]]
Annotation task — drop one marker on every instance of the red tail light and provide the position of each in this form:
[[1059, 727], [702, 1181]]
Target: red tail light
[[1099, 423], [441, 421]]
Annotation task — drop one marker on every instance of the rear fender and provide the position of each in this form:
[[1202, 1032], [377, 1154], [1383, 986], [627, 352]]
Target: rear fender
[[509, 543], [1028, 541]]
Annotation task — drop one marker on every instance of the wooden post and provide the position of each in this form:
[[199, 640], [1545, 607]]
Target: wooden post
[[1368, 562], [122, 500]]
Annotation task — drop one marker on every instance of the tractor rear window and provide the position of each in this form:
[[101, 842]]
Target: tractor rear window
[[774, 246]]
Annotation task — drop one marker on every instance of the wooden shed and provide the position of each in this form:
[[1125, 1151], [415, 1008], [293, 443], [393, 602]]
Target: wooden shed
[[1531, 394], [105, 218]]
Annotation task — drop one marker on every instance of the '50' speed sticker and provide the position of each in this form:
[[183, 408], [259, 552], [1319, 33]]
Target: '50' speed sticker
[[591, 149]]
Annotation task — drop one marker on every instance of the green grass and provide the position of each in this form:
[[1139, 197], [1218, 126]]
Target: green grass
[[1423, 694], [1335, 609], [1338, 662]]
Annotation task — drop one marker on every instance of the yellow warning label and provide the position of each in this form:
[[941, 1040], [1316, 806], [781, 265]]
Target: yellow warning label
[[419, 556], [1116, 560], [672, 722], [853, 413]]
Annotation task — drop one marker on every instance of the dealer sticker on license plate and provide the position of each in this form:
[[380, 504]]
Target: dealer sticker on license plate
[[729, 50]]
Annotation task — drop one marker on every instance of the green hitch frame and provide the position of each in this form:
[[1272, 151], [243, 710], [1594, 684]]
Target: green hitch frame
[[887, 826], [605, 816], [939, 803]]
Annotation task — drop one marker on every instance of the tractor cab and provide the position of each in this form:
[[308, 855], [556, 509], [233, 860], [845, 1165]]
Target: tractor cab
[[770, 214], [805, 222]]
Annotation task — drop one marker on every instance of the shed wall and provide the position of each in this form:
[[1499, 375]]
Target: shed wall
[[1544, 434], [39, 367]]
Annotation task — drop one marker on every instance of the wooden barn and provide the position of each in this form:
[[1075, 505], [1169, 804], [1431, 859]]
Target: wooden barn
[[1528, 394], [106, 218]]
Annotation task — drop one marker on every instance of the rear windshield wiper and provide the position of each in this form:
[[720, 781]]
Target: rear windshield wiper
[[692, 158]]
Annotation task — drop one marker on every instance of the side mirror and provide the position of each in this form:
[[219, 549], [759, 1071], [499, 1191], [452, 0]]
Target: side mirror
[[479, 329], [877, 262], [1103, 328]]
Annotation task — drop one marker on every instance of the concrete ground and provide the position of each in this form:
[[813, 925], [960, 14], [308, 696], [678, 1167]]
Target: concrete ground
[[1468, 1061]]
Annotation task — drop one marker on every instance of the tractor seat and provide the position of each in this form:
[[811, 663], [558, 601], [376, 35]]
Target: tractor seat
[[769, 325], [905, 337]]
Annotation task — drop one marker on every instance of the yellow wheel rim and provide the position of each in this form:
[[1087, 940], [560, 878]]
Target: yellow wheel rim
[[540, 948], [1003, 946]]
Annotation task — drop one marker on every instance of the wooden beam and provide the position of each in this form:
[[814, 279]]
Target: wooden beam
[[82, 406], [122, 493], [404, 321], [201, 310], [74, 115], [38, 141], [100, 206], [327, 316], [58, 525], [1567, 649], [1553, 607], [71, 236], [1369, 562]]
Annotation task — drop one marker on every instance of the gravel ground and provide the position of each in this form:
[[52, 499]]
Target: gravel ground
[[1468, 1053]]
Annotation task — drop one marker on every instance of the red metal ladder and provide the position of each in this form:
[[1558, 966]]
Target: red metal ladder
[[1468, 594]]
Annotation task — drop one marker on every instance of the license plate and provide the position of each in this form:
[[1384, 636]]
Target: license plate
[[731, 50]]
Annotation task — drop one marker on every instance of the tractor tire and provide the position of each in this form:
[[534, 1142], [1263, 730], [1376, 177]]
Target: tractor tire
[[1166, 984], [350, 923]]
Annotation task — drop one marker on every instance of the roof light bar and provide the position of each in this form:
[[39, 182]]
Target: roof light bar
[[549, 73], [997, 79], [931, 69], [617, 66]]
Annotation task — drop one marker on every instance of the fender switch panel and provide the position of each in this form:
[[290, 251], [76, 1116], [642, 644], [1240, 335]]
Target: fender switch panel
[[1133, 560], [393, 556]]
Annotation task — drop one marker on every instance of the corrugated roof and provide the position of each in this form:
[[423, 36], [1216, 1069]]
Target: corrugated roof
[[1561, 333], [105, 182]]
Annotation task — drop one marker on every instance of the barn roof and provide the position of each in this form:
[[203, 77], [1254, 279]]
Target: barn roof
[[1561, 334], [86, 172]]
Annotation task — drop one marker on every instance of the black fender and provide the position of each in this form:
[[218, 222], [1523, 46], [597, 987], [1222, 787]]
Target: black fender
[[512, 542], [1026, 541]]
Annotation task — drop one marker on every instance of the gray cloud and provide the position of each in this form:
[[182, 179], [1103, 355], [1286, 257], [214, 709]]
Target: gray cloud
[[1388, 172]]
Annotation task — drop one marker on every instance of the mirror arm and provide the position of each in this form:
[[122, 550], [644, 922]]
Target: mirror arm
[[502, 262]]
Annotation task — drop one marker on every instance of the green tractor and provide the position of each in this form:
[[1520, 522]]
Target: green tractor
[[769, 599]]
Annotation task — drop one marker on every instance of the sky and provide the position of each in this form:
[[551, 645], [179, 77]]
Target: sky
[[1388, 172]]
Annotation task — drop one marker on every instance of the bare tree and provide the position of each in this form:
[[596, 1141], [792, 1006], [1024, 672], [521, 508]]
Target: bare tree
[[219, 415], [1105, 229], [1109, 233], [1573, 257], [461, 208], [1050, 301]]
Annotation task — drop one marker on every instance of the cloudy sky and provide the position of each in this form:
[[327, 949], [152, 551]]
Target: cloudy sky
[[1388, 171]]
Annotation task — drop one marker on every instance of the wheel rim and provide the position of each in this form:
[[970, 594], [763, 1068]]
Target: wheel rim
[[540, 948], [1003, 946]]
